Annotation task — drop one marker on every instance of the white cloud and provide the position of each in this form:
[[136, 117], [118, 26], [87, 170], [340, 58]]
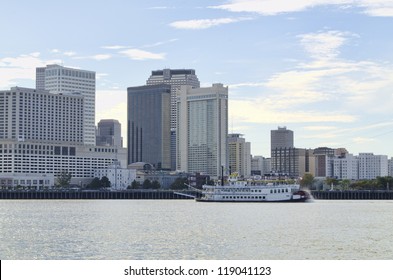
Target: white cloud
[[274, 7], [115, 47], [204, 23], [21, 67], [137, 54], [69, 53], [101, 56]]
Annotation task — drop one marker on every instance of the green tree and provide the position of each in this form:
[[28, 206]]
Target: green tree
[[307, 180], [64, 179], [105, 183], [95, 184], [179, 183], [146, 184], [155, 185], [134, 185]]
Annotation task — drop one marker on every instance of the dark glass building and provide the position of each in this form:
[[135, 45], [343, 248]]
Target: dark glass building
[[148, 125]]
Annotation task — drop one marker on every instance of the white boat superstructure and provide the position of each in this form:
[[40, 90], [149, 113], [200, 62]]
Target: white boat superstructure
[[245, 191]]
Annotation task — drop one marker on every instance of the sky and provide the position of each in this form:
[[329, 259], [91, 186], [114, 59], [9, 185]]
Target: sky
[[322, 68]]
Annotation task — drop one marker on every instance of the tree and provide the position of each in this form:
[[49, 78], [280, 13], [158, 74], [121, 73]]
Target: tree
[[134, 185], [146, 184], [105, 183], [307, 180], [331, 182], [155, 185], [63, 179], [95, 184], [179, 184]]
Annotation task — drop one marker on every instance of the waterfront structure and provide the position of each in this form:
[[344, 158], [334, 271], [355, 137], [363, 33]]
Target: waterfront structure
[[63, 80], [120, 178], [21, 162], [109, 133], [260, 165], [202, 125], [239, 155], [148, 110], [175, 78]]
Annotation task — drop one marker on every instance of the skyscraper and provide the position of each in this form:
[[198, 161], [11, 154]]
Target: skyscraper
[[62, 80], [148, 125], [175, 78], [202, 125], [109, 133], [239, 154], [281, 138]]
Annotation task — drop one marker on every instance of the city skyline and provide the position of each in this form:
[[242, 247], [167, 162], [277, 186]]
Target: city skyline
[[323, 70]]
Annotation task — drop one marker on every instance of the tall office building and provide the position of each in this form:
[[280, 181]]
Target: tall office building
[[58, 79], [202, 125], [148, 126], [109, 133], [175, 78], [239, 155], [281, 138]]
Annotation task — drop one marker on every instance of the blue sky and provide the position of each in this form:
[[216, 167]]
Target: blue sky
[[323, 69]]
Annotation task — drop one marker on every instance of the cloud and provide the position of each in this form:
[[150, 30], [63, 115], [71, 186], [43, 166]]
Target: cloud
[[115, 47], [138, 54], [160, 43], [204, 23], [22, 67], [274, 7]]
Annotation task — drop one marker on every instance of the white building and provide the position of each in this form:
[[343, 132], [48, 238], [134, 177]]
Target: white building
[[58, 79], [364, 166], [202, 127], [27, 160], [239, 155], [30, 114], [41, 135], [120, 178], [260, 165], [372, 166], [390, 167]]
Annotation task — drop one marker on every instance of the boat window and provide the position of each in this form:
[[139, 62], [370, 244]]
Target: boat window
[[275, 191], [264, 197], [278, 190]]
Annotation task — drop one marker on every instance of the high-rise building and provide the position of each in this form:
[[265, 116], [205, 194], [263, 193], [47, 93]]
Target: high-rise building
[[175, 78], [41, 135], [37, 115], [148, 126], [62, 80], [372, 166], [109, 133], [202, 125], [239, 155], [260, 165], [281, 138]]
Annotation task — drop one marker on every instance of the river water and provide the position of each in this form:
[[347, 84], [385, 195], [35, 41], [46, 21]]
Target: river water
[[184, 229]]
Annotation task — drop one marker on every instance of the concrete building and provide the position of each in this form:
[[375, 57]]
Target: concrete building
[[390, 167], [322, 155], [202, 127], [119, 177], [62, 80], [175, 78], [148, 109], [41, 135], [239, 155], [372, 166], [344, 166], [37, 115], [260, 165], [281, 138], [109, 133]]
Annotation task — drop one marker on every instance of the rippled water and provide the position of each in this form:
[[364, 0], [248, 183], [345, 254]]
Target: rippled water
[[171, 229]]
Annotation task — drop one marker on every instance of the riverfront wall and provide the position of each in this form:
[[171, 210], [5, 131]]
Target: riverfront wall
[[353, 195], [64, 194]]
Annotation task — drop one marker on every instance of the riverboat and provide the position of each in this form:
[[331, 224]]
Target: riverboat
[[246, 191]]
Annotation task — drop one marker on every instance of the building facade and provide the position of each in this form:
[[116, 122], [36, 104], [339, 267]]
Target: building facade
[[109, 133], [120, 178], [62, 80], [260, 165], [148, 110], [175, 78], [202, 125], [239, 155], [281, 138]]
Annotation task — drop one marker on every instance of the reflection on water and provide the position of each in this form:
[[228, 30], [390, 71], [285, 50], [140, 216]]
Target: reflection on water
[[170, 229]]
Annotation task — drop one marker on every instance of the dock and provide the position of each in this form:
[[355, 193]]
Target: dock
[[353, 195]]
